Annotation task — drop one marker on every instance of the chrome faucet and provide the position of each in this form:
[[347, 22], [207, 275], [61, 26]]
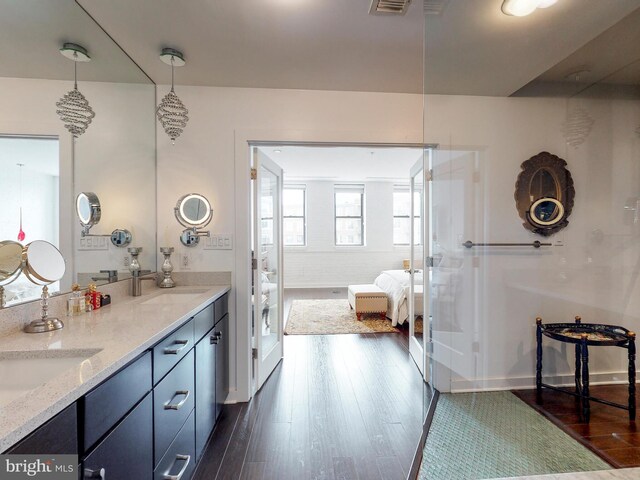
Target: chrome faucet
[[112, 276], [136, 272], [136, 281]]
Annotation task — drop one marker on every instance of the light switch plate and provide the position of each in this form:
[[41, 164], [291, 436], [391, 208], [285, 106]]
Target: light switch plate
[[219, 241], [93, 243]]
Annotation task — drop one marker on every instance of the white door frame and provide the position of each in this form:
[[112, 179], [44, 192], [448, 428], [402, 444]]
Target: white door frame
[[240, 339]]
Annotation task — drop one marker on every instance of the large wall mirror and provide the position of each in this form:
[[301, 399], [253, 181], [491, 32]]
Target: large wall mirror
[[44, 168]]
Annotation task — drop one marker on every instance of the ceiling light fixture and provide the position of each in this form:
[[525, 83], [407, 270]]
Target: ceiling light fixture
[[277, 150], [171, 113], [73, 108], [522, 8]]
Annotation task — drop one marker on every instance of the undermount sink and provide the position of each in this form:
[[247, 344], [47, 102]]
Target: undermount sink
[[22, 372], [174, 297]]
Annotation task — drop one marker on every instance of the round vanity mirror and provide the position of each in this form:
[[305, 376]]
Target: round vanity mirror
[[546, 211], [43, 262], [88, 209], [10, 261], [193, 211], [544, 194]]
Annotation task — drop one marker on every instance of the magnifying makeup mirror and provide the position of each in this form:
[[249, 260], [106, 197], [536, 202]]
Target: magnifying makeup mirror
[[194, 212], [546, 211], [43, 264], [89, 212], [10, 265]]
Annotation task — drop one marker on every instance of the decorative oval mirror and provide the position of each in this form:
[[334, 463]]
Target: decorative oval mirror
[[43, 262], [544, 194], [194, 210], [10, 261], [88, 210]]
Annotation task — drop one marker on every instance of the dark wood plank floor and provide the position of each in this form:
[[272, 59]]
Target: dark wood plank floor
[[609, 433], [337, 407]]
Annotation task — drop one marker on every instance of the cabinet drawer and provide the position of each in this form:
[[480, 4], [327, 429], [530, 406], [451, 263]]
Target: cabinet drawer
[[173, 401], [203, 322], [180, 460], [170, 350], [109, 402], [127, 452], [222, 307], [59, 436]]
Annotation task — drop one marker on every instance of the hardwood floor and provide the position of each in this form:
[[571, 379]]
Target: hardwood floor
[[609, 434], [337, 407]]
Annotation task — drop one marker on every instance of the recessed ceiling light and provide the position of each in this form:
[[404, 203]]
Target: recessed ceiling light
[[277, 150], [521, 8]]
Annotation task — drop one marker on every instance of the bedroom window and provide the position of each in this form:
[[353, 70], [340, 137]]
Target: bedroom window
[[349, 214], [294, 215], [402, 216], [267, 220]]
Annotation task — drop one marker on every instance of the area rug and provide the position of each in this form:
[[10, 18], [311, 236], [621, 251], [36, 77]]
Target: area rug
[[494, 435], [332, 316]]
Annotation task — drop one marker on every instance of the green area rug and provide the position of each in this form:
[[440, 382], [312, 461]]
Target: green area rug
[[495, 434]]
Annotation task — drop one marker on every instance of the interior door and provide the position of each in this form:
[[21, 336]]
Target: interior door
[[417, 298], [268, 318]]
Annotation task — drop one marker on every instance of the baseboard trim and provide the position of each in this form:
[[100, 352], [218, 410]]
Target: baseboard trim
[[417, 457], [529, 382]]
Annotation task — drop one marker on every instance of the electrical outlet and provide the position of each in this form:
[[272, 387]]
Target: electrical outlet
[[126, 261], [185, 261]]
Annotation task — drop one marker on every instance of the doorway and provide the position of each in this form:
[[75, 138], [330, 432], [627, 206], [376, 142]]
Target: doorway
[[326, 217]]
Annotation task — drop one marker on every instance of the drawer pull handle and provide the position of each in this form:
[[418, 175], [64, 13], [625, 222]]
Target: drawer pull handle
[[97, 474], [177, 406], [186, 459], [213, 339], [175, 350]]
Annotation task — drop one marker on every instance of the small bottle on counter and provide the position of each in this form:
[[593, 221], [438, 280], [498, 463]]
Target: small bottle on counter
[[75, 304], [93, 297]]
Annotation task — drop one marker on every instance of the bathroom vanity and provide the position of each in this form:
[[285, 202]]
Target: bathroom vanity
[[140, 387]]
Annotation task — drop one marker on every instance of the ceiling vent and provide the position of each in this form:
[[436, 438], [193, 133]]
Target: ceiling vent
[[434, 7], [386, 7]]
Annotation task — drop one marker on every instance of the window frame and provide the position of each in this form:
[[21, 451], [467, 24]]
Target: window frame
[[346, 187], [406, 188], [303, 216]]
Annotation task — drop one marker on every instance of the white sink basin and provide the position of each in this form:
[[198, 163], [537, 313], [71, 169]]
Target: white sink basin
[[173, 298], [22, 372]]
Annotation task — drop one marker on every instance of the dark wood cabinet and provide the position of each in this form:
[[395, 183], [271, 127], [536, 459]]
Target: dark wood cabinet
[[180, 459], [105, 405], [152, 418], [205, 389], [173, 400], [127, 452], [221, 331], [59, 436]]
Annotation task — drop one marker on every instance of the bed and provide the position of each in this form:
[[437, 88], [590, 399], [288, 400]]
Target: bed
[[397, 285]]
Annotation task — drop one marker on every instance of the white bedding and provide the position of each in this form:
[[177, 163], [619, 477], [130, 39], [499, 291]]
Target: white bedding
[[397, 285]]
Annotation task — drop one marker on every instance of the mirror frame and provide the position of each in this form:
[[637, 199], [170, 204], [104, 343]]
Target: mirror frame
[[181, 217], [525, 201], [13, 276]]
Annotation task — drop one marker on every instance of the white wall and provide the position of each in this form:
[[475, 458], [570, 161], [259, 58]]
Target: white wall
[[323, 264]]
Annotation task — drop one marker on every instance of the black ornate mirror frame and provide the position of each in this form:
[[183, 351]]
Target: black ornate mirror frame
[[565, 191]]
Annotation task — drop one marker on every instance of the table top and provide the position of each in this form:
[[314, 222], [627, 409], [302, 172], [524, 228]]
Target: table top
[[597, 334]]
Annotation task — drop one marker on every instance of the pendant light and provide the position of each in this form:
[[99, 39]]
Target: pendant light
[[171, 113], [73, 108]]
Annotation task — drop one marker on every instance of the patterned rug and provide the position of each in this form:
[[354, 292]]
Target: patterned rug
[[328, 317], [494, 435]]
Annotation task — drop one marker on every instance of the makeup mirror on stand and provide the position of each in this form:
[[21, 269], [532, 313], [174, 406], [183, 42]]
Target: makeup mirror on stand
[[43, 264]]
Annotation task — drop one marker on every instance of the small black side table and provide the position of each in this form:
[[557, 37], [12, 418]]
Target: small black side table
[[584, 335]]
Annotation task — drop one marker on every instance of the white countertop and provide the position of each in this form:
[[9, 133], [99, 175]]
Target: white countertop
[[120, 332]]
